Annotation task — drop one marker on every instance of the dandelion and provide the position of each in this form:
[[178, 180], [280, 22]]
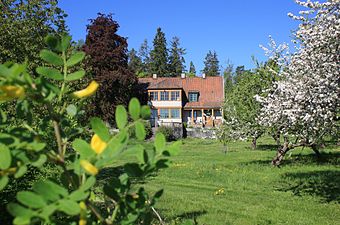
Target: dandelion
[[88, 91], [91, 169], [97, 144]]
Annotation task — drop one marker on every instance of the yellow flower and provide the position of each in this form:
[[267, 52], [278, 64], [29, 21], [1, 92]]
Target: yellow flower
[[10, 92], [82, 205], [88, 91], [82, 222], [97, 144], [91, 169]]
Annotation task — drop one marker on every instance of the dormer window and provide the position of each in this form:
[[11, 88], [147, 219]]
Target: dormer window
[[193, 96]]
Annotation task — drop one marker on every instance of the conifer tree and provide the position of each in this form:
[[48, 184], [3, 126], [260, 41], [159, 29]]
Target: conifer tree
[[135, 63], [159, 55], [176, 58], [192, 69], [144, 55], [211, 64]]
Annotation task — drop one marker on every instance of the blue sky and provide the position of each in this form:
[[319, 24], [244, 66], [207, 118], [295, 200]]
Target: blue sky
[[234, 29]]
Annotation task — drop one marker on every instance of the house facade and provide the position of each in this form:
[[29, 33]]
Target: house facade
[[196, 101]]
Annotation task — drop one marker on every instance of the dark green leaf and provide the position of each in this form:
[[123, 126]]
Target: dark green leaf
[[121, 117], [75, 58], [52, 42], [99, 127], [50, 73], [140, 131], [69, 207], [133, 170], [31, 199], [44, 189], [83, 148], [145, 112], [21, 171], [3, 182], [159, 142], [51, 57], [5, 157], [71, 110], [76, 75], [134, 108], [65, 42]]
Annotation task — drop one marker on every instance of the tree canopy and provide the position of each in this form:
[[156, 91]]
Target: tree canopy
[[211, 64]]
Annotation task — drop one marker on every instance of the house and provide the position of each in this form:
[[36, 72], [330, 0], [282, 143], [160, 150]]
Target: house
[[196, 101]]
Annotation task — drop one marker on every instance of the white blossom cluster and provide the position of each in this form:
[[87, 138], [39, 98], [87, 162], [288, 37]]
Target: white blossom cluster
[[305, 102]]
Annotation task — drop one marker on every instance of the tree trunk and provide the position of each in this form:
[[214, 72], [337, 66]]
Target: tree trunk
[[276, 137], [281, 152], [316, 150], [253, 143]]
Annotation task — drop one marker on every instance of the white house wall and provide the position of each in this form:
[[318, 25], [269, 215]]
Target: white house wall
[[167, 104]]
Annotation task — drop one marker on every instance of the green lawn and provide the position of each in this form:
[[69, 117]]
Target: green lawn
[[241, 187]]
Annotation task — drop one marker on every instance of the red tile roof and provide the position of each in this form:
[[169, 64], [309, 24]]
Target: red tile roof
[[210, 89]]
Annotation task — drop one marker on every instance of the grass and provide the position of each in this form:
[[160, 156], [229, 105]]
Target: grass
[[207, 186]]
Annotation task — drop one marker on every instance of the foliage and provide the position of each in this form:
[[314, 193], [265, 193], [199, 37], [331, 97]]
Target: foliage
[[144, 55], [22, 33], [211, 64], [305, 102], [192, 69], [135, 63], [147, 127], [107, 61], [80, 160], [159, 55], [176, 58], [167, 131]]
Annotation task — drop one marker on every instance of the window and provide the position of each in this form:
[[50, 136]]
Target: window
[[164, 113], [193, 96], [164, 96], [175, 113], [154, 95], [175, 96]]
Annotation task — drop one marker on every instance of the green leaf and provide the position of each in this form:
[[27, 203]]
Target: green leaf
[[140, 131], [99, 127], [44, 189], [56, 188], [134, 108], [21, 171], [41, 160], [5, 157], [4, 71], [65, 42], [145, 112], [83, 148], [51, 57], [88, 183], [50, 73], [52, 42], [78, 195], [47, 212], [76, 75], [22, 220], [31, 199], [69, 207], [159, 142], [71, 110], [75, 58], [3, 182], [174, 148], [121, 117]]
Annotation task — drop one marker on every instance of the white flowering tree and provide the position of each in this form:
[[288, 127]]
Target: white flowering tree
[[304, 104]]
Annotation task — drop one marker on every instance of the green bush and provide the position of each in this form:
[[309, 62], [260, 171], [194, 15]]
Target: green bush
[[147, 127], [168, 132]]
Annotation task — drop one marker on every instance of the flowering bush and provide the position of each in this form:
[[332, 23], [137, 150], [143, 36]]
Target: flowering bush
[[305, 103], [71, 197]]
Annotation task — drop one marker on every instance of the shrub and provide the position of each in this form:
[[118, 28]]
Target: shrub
[[168, 132], [147, 127]]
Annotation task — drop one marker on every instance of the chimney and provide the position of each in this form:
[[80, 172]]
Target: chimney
[[203, 75], [182, 75], [154, 76]]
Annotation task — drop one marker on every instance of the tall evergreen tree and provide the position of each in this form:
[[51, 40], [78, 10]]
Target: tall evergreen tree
[[211, 64], [228, 78], [159, 55], [135, 63], [144, 55], [176, 58], [192, 69], [108, 62]]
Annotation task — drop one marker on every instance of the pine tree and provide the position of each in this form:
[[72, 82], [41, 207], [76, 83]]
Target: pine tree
[[159, 55], [211, 64], [176, 58], [192, 69], [228, 78], [144, 55], [135, 63]]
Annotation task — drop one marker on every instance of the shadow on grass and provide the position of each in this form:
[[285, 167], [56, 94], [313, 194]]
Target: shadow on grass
[[266, 147], [331, 158], [323, 184], [193, 215]]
